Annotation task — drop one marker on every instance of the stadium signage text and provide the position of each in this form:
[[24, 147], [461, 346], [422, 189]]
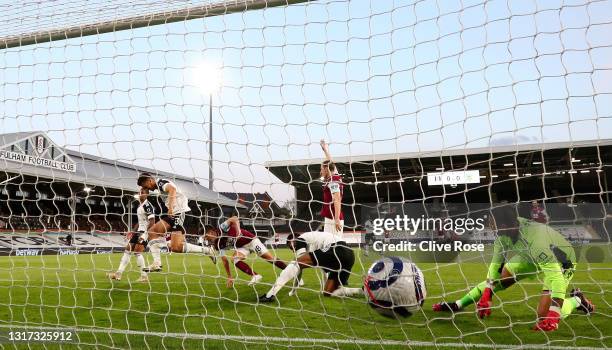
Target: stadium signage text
[[37, 161], [453, 178]]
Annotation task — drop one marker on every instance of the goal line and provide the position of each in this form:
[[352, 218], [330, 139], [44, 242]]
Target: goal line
[[314, 341]]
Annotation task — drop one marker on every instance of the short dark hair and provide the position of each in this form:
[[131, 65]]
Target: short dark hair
[[208, 228], [505, 214], [329, 164], [143, 177]]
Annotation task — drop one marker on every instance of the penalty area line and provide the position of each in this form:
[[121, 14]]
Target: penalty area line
[[262, 339]]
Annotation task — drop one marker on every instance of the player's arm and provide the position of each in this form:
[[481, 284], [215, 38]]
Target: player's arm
[[150, 215], [334, 188], [325, 148], [171, 190], [228, 271], [337, 207], [232, 222]]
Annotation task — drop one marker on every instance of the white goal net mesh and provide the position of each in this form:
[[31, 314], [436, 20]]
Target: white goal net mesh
[[433, 109]]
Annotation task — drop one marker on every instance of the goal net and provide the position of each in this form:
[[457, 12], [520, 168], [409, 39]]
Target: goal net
[[435, 111]]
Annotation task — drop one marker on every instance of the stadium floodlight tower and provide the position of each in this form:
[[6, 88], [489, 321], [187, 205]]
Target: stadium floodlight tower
[[209, 80]]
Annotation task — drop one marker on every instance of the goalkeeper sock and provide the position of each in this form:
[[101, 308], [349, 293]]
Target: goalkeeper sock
[[474, 295], [141, 264], [245, 268], [290, 272], [346, 292], [569, 305], [125, 260]]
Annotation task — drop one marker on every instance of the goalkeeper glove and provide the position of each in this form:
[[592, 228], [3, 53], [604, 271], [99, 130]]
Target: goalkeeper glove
[[549, 323], [484, 304]]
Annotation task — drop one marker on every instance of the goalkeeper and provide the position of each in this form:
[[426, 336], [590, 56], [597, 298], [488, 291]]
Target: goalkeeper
[[536, 250]]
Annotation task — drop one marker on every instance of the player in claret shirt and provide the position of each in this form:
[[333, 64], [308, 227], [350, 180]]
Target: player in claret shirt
[[538, 213], [333, 188], [229, 235], [527, 249]]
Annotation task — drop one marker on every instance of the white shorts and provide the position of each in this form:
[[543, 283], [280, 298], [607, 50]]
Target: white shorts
[[255, 246], [330, 226]]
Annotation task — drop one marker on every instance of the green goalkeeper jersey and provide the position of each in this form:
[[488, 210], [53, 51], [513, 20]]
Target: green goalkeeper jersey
[[538, 246]]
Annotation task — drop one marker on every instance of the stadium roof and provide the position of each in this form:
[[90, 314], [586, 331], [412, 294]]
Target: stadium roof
[[365, 167], [35, 154], [446, 152]]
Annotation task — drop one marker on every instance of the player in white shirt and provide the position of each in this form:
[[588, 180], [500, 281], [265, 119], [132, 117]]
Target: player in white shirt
[[172, 222], [325, 251], [137, 240]]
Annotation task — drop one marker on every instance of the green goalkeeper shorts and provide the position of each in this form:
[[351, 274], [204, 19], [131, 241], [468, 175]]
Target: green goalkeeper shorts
[[522, 268]]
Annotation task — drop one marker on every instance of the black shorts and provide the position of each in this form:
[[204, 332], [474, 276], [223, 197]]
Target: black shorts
[[175, 221], [134, 239], [338, 260]]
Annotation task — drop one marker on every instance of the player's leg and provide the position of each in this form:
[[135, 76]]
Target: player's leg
[[238, 258], [155, 246], [178, 244], [514, 270], [138, 250], [342, 259], [134, 247], [123, 263], [291, 272], [569, 305], [260, 249], [576, 301]]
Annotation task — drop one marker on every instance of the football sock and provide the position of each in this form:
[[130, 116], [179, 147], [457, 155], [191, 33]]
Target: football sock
[[125, 260], [192, 248], [155, 249], [474, 295], [141, 264], [290, 272], [244, 268], [280, 264], [569, 305], [346, 292]]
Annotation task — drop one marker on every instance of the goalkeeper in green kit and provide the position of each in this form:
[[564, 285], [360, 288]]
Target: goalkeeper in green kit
[[527, 249]]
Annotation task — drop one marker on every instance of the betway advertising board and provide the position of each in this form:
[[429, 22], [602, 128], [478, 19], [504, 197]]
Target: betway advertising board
[[20, 244]]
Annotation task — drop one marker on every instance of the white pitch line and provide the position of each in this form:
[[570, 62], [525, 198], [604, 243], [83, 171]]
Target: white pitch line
[[260, 339]]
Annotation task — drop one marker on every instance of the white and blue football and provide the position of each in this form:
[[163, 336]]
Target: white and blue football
[[395, 287]]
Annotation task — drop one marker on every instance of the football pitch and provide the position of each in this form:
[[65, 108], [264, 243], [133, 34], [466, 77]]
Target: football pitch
[[189, 306]]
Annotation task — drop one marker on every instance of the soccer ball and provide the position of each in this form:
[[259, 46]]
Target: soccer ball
[[395, 287]]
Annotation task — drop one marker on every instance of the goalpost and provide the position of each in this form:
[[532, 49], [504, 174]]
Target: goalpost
[[412, 96]]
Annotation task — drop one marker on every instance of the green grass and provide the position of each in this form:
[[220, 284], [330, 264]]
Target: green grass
[[73, 292]]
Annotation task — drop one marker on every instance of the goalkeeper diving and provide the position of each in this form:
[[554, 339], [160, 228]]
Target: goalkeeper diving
[[527, 249]]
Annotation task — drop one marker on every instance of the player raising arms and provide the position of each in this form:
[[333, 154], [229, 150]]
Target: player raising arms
[[538, 251], [325, 251], [333, 188], [136, 242], [173, 221], [229, 235]]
